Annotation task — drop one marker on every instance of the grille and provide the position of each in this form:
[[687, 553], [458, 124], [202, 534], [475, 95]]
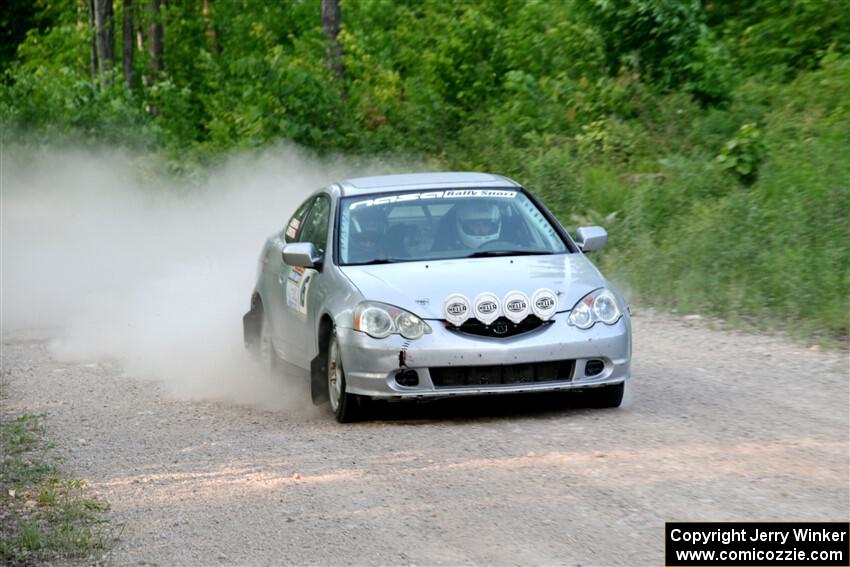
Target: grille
[[458, 376], [500, 328]]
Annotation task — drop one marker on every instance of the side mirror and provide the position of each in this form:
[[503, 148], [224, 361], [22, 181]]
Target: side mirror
[[590, 238], [302, 254]]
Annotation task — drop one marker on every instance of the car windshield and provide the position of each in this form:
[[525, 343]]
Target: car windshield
[[439, 225]]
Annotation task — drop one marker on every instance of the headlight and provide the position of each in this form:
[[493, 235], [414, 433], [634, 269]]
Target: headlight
[[375, 322], [409, 325], [380, 320], [596, 306]]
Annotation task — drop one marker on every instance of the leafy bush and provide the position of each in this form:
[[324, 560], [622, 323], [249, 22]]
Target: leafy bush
[[710, 138], [743, 153], [781, 36], [776, 250]]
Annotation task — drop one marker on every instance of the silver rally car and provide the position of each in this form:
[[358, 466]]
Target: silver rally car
[[433, 285]]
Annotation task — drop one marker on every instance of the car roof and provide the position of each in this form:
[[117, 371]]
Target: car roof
[[413, 181]]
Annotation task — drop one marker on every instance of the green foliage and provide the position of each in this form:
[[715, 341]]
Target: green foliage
[[781, 36], [59, 102], [654, 36], [776, 250], [46, 516], [16, 19], [743, 153], [610, 138], [709, 137], [711, 72], [20, 434]]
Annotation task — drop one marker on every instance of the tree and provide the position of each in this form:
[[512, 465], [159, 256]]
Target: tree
[[155, 37], [333, 51], [212, 37], [16, 18], [127, 43], [93, 32], [104, 21], [657, 37]]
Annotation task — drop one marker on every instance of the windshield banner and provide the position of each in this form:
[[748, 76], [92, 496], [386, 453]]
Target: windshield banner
[[451, 194]]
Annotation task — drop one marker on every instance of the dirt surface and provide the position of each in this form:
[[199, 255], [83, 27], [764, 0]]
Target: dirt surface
[[718, 426]]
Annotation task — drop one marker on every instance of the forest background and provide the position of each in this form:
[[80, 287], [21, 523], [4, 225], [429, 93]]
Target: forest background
[[711, 139]]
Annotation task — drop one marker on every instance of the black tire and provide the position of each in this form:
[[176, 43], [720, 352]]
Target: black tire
[[605, 396], [345, 407]]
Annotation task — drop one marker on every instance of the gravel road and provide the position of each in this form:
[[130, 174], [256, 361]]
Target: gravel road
[[717, 426]]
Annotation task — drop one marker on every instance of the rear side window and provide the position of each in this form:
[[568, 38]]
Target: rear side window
[[290, 234], [316, 226]]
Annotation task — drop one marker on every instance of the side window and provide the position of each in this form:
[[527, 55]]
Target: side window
[[316, 226], [291, 231]]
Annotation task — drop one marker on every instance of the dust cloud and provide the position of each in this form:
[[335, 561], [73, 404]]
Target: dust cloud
[[114, 262]]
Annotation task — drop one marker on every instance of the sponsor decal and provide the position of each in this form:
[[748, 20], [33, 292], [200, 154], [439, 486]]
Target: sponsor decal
[[544, 304], [292, 229], [298, 288], [292, 294], [456, 309], [515, 306], [426, 195], [486, 307], [296, 273]]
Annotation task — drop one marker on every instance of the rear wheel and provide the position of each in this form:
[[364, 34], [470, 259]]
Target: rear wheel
[[345, 407], [605, 396]]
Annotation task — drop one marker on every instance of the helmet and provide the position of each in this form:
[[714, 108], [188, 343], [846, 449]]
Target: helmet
[[478, 223]]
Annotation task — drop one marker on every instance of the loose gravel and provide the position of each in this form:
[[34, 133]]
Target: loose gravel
[[717, 426]]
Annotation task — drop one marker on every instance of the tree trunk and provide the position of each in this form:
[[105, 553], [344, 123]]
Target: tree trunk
[[127, 43], [140, 46], [104, 21], [93, 32], [155, 37], [212, 37], [333, 51]]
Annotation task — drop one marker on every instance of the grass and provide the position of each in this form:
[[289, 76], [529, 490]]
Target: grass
[[769, 249], [45, 515]]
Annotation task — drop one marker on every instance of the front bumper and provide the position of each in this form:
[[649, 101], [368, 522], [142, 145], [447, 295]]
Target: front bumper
[[371, 365]]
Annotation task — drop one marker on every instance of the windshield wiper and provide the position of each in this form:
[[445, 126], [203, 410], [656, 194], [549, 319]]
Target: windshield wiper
[[487, 253]]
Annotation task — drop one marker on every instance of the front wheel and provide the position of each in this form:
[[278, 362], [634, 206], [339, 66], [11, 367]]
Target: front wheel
[[605, 396], [345, 407]]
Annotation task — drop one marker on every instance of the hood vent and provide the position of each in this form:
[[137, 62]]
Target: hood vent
[[501, 328]]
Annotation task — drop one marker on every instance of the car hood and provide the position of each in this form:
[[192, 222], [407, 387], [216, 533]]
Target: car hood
[[422, 287]]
